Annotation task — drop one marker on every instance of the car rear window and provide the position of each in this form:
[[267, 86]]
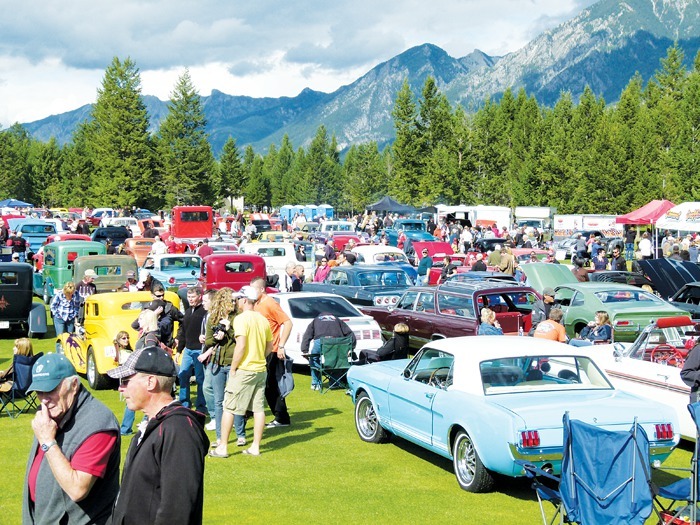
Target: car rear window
[[8, 278], [309, 308], [541, 373], [626, 296]]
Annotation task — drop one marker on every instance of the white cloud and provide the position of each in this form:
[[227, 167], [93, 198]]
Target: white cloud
[[53, 55]]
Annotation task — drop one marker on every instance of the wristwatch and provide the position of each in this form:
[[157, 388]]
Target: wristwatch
[[46, 446], [281, 347]]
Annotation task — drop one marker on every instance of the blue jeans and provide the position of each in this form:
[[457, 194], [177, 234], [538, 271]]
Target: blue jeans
[[629, 251], [219, 376], [208, 389], [580, 342], [62, 326], [127, 426], [191, 364], [315, 363]]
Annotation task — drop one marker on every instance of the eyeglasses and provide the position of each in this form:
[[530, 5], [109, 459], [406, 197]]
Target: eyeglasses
[[324, 260], [159, 295], [125, 337], [125, 381]]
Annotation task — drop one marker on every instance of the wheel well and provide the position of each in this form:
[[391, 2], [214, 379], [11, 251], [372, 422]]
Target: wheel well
[[579, 326], [453, 435], [435, 337]]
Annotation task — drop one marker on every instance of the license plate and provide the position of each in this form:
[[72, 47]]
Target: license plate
[[4, 324]]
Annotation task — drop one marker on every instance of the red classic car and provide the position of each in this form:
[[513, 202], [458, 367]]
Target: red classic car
[[233, 270], [438, 250], [454, 309]]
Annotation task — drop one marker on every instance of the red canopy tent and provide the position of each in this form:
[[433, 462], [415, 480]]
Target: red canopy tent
[[647, 214]]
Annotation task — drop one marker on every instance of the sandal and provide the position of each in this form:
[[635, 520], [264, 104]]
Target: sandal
[[215, 454], [241, 442], [247, 452]]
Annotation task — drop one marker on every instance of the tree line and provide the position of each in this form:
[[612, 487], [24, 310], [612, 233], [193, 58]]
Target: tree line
[[578, 157]]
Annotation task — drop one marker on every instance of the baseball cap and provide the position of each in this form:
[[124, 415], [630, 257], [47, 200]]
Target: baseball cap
[[15, 255], [48, 371], [247, 292], [151, 360], [131, 274], [548, 291], [90, 273]]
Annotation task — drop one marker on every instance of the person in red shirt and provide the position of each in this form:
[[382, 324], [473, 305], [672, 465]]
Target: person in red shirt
[[73, 470], [205, 249]]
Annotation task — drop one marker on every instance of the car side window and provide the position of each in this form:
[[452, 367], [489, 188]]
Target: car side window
[[426, 302], [406, 302], [577, 299], [459, 305], [433, 367]]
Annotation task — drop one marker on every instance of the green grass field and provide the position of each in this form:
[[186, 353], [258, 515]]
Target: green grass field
[[317, 470]]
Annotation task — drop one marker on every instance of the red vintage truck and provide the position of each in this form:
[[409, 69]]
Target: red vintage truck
[[232, 270], [191, 224]]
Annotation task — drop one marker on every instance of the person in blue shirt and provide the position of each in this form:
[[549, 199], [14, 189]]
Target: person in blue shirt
[[489, 325], [426, 263], [598, 330]]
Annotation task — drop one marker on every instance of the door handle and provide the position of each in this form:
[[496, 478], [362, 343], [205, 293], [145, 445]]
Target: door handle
[[429, 395]]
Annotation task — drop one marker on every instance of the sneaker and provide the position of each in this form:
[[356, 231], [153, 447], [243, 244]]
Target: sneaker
[[315, 387], [274, 424], [241, 442], [211, 425]]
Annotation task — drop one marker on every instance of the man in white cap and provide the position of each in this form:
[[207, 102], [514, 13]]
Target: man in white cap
[[163, 479], [86, 287], [245, 388], [73, 468]]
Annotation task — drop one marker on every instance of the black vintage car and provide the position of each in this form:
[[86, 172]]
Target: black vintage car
[[17, 311]]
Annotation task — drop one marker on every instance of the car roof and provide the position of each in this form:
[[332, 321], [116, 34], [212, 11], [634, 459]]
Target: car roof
[[370, 268], [596, 286], [478, 286], [502, 346]]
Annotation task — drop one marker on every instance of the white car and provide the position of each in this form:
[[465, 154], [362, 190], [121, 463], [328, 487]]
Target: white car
[[303, 307], [128, 222], [276, 255], [379, 253], [650, 367]]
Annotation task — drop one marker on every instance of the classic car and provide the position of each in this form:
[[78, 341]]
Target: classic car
[[688, 299], [413, 229], [454, 309], [34, 231], [307, 229], [303, 307], [381, 254], [38, 259], [91, 348], [223, 246], [630, 308], [132, 223], [650, 367], [498, 277], [669, 276], [118, 234], [111, 270], [138, 248], [16, 307], [365, 284], [100, 213], [152, 223], [173, 270], [59, 258], [488, 245], [438, 250], [275, 236], [232, 270], [276, 255], [622, 277], [487, 403]]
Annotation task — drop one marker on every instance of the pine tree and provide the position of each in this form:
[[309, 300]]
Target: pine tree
[[405, 169], [118, 140], [183, 148], [231, 180]]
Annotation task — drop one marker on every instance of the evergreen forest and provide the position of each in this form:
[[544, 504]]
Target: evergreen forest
[[580, 156]]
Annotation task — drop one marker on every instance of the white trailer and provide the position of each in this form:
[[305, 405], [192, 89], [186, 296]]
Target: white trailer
[[539, 217], [477, 215], [566, 225]]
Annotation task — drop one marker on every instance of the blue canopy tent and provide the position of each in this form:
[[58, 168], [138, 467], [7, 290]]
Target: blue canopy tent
[[15, 203]]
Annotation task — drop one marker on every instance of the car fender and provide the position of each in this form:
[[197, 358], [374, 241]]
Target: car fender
[[37, 319], [75, 349]]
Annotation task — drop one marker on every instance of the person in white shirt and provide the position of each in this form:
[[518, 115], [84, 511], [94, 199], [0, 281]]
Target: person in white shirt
[[158, 247], [645, 246]]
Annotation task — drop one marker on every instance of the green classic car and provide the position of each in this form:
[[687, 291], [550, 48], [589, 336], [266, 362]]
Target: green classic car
[[630, 308], [59, 259]]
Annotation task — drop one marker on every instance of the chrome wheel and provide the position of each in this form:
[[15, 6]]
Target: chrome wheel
[[471, 474], [366, 421]]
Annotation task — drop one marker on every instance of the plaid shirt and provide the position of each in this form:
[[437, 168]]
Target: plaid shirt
[[65, 309]]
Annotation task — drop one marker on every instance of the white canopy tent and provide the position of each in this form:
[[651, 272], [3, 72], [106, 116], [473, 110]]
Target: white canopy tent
[[684, 217]]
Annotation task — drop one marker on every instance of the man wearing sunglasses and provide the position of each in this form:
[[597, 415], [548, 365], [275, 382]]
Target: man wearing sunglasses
[[163, 479]]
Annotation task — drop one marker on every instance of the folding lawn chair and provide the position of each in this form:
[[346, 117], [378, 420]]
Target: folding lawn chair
[[685, 489], [604, 477], [334, 363], [17, 401]]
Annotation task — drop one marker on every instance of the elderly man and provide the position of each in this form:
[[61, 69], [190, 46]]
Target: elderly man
[[287, 279], [245, 388], [163, 480], [73, 468], [86, 287]]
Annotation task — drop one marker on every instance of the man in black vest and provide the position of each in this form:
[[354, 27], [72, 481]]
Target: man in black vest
[[73, 467]]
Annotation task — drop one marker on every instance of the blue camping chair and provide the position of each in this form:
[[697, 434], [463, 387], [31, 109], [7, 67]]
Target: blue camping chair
[[17, 400], [604, 477], [685, 489]]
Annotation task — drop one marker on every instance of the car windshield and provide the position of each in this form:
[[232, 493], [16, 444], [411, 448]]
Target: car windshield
[[659, 344], [541, 374], [627, 296], [386, 278], [390, 257], [412, 226], [338, 227], [309, 308], [178, 263]]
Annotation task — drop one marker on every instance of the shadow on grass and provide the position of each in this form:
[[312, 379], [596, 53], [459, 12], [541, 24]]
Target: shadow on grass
[[520, 488], [303, 426]]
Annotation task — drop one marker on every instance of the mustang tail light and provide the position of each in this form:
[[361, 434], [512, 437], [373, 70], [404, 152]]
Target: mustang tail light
[[530, 438], [664, 431], [623, 323], [376, 334]]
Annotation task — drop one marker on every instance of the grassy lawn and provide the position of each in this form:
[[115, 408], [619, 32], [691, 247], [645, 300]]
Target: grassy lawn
[[315, 470]]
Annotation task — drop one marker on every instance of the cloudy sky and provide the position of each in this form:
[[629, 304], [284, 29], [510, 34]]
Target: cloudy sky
[[53, 54]]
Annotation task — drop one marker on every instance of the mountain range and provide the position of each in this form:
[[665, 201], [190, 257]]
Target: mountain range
[[602, 47]]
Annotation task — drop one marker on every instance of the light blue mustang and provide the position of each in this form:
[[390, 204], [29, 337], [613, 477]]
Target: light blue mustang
[[486, 402]]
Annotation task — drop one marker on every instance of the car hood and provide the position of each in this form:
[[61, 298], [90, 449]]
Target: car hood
[[591, 406], [543, 275], [669, 275]]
